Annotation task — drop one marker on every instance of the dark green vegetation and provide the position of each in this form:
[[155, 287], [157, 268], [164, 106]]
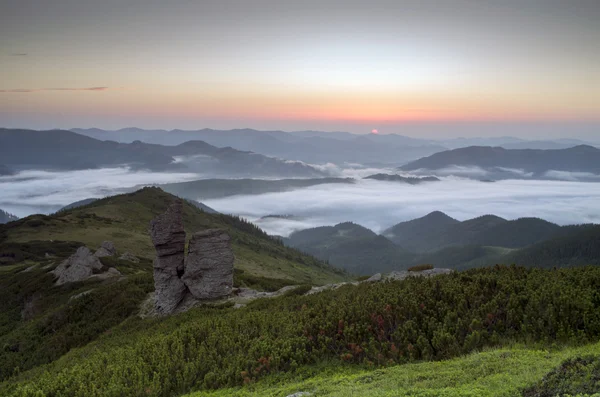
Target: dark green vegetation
[[498, 161], [68, 150], [412, 180], [373, 325], [6, 217], [352, 247], [573, 377], [216, 188], [447, 243]]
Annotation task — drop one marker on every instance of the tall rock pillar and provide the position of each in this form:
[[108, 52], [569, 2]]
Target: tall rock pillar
[[168, 237]]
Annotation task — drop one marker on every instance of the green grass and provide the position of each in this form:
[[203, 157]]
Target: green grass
[[500, 372]]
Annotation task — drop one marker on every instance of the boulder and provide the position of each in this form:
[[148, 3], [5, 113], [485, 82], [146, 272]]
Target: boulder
[[106, 249], [168, 236], [78, 267], [208, 272]]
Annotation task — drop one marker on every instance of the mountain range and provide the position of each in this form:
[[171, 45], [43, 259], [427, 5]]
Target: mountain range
[[60, 149], [516, 163], [323, 147], [442, 241]]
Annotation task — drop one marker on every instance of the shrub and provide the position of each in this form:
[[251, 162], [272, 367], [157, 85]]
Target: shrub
[[420, 268]]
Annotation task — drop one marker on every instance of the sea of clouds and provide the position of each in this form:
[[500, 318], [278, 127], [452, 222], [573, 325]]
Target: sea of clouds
[[374, 204], [379, 205], [31, 192]]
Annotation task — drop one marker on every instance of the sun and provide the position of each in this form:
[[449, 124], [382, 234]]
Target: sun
[[374, 131]]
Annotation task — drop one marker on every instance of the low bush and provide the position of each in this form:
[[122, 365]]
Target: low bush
[[420, 268], [373, 324]]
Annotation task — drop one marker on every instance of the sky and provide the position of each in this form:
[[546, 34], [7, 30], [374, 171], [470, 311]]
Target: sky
[[422, 68]]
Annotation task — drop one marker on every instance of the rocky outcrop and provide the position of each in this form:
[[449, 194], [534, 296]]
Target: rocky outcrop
[[106, 249], [168, 237], [208, 270], [401, 275], [80, 266], [206, 274]]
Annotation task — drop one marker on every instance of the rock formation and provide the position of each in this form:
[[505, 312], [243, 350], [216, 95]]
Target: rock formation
[[80, 266], [209, 265], [207, 273], [106, 249], [168, 237]]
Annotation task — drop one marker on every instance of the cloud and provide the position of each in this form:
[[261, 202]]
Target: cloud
[[379, 205], [31, 192], [373, 204], [571, 176], [456, 170], [22, 90]]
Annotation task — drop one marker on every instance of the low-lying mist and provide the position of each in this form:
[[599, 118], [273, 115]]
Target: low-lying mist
[[379, 205], [45, 192]]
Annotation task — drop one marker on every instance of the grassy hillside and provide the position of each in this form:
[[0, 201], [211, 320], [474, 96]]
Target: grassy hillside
[[514, 371], [40, 322], [354, 327], [125, 219]]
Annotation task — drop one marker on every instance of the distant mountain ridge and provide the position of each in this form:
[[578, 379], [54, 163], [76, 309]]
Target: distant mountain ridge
[[323, 147], [538, 163], [62, 149], [437, 230], [443, 241], [307, 146]]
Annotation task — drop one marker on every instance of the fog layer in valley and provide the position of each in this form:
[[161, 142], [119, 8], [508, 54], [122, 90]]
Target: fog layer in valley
[[374, 204], [378, 205], [45, 192]]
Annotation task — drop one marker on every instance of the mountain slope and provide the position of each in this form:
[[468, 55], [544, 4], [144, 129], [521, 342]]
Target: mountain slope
[[582, 158], [352, 247], [39, 322], [576, 246], [415, 235], [124, 219], [68, 150]]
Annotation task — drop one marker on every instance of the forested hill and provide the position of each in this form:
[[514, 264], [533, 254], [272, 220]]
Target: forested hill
[[437, 230]]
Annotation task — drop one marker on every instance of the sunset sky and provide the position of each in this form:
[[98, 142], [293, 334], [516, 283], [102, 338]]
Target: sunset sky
[[293, 65]]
